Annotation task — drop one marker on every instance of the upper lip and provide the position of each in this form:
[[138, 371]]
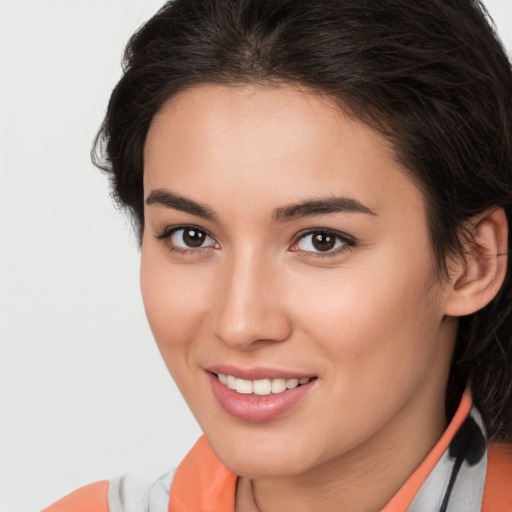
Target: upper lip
[[257, 373]]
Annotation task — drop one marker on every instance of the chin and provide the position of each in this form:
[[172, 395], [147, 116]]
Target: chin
[[260, 457], [262, 467]]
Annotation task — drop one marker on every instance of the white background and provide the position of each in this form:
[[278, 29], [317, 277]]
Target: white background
[[83, 392]]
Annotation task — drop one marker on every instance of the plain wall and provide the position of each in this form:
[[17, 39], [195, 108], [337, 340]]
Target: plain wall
[[83, 392]]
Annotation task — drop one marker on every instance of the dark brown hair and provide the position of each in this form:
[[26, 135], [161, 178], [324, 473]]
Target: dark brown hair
[[429, 75]]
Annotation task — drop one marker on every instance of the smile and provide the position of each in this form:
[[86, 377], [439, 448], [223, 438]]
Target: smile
[[258, 395], [260, 387]]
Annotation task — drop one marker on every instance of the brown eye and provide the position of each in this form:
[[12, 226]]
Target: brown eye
[[190, 238], [193, 237], [322, 242]]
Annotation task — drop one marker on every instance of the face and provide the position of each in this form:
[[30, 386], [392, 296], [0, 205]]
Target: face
[[283, 244]]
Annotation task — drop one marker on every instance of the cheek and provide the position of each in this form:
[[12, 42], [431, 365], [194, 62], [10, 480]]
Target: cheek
[[174, 299], [380, 324], [376, 337]]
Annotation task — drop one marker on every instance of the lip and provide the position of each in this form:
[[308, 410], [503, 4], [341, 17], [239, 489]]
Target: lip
[[256, 373], [255, 408]]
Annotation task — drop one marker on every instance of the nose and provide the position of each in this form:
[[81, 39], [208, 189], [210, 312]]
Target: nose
[[250, 311]]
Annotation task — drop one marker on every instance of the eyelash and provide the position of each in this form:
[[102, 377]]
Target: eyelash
[[347, 241], [167, 234]]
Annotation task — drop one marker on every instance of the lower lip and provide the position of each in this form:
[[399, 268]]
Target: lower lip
[[255, 408]]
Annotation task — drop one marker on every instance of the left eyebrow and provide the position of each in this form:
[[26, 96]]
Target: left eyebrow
[[321, 207]]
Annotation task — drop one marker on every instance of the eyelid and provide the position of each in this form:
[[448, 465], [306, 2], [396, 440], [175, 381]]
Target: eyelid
[[167, 233], [348, 242], [169, 230]]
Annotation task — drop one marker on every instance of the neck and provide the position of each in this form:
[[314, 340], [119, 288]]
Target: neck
[[362, 480]]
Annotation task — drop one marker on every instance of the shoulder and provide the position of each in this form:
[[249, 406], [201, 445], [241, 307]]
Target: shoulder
[[128, 493], [91, 498], [498, 483]]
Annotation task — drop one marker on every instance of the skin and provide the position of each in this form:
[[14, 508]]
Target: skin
[[370, 319]]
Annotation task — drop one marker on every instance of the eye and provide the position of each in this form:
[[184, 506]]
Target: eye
[[321, 241], [187, 238]]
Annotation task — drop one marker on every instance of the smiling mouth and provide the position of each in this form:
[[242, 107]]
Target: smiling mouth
[[261, 387]]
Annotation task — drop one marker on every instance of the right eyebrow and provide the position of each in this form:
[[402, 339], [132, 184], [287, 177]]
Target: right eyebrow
[[162, 197]]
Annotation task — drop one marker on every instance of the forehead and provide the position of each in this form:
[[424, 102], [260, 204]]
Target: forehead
[[274, 144]]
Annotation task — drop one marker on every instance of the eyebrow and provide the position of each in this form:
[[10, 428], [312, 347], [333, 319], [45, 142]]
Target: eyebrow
[[165, 198], [321, 206]]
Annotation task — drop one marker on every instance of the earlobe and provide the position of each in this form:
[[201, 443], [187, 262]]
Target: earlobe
[[475, 281]]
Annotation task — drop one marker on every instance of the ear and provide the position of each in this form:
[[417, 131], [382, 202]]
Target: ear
[[475, 281]]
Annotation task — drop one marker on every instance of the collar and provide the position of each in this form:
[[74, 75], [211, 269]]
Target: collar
[[202, 482], [452, 476]]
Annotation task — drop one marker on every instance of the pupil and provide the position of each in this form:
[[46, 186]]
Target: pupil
[[323, 241], [193, 237]]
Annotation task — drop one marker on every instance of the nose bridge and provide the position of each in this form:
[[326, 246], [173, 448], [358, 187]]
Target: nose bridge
[[249, 307]]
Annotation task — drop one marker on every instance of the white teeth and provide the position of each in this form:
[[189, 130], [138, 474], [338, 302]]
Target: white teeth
[[292, 383], [244, 386], [278, 385], [260, 387], [231, 381]]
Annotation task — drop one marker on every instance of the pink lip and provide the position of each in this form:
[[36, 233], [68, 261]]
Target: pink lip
[[256, 373], [254, 408]]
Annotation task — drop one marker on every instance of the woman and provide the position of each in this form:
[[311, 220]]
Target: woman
[[322, 192]]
